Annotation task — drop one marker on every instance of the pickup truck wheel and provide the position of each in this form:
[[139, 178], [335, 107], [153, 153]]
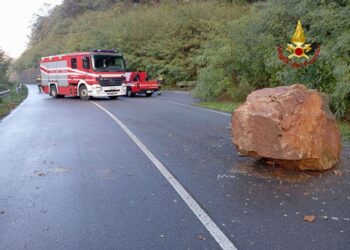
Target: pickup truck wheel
[[53, 91], [83, 93], [129, 93], [149, 94]]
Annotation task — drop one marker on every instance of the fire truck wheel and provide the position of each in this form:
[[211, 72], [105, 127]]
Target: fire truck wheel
[[129, 93], [53, 91], [113, 97], [83, 93], [149, 94]]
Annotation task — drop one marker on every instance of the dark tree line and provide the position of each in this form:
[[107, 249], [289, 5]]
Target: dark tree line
[[4, 65]]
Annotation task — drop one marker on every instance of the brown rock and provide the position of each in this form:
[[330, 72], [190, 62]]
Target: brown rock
[[309, 218], [291, 126]]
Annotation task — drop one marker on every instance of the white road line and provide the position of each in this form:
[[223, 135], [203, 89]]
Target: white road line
[[207, 222], [194, 107]]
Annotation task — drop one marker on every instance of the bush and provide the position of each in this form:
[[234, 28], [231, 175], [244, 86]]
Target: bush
[[253, 62]]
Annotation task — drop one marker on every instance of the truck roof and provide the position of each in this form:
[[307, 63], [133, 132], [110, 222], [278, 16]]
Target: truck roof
[[97, 51]]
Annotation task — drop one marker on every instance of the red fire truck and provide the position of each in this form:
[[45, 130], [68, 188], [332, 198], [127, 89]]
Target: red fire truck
[[138, 83], [98, 73]]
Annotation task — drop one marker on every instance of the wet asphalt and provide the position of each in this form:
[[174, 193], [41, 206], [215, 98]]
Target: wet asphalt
[[70, 178]]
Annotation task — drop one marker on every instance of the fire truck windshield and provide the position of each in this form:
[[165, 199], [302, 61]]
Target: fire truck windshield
[[108, 63]]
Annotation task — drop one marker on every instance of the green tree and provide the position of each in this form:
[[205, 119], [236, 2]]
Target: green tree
[[254, 62], [4, 64]]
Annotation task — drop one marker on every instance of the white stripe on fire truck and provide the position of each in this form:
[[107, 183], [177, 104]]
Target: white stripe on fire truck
[[81, 72], [64, 73]]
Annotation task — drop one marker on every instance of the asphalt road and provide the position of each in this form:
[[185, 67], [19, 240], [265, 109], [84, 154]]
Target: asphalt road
[[72, 178]]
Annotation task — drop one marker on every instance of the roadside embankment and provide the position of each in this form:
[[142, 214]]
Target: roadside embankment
[[11, 101]]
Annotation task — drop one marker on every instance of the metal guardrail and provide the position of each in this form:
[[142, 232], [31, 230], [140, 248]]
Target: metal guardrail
[[19, 88], [5, 93]]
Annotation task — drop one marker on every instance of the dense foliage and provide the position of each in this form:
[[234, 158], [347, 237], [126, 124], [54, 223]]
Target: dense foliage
[[229, 46], [246, 58], [4, 65], [160, 38]]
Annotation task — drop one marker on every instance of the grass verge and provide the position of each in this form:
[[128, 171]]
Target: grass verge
[[219, 106], [12, 101], [345, 131], [173, 88], [231, 106]]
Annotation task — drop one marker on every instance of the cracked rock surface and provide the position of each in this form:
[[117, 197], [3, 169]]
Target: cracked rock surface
[[290, 125]]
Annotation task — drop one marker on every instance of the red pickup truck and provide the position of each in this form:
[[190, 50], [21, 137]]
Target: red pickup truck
[[138, 83]]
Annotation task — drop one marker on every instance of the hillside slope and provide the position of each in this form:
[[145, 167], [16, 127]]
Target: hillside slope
[[229, 46]]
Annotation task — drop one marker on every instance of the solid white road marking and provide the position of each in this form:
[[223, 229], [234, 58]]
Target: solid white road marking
[[194, 107], [207, 222]]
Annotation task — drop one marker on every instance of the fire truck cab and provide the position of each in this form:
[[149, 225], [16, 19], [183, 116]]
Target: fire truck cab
[[98, 73]]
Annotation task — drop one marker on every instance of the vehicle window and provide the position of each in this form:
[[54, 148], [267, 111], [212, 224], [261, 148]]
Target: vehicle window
[[86, 62], [73, 63], [108, 63]]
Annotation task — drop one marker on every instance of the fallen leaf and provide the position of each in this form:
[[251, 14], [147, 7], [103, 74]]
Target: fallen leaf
[[337, 173], [39, 173], [309, 218], [306, 193], [200, 237]]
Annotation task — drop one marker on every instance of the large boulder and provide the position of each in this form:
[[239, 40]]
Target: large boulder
[[291, 126]]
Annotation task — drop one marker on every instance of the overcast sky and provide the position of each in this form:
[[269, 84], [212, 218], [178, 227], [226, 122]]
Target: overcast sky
[[15, 20]]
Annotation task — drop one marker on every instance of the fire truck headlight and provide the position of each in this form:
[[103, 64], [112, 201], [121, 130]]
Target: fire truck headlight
[[124, 87]]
